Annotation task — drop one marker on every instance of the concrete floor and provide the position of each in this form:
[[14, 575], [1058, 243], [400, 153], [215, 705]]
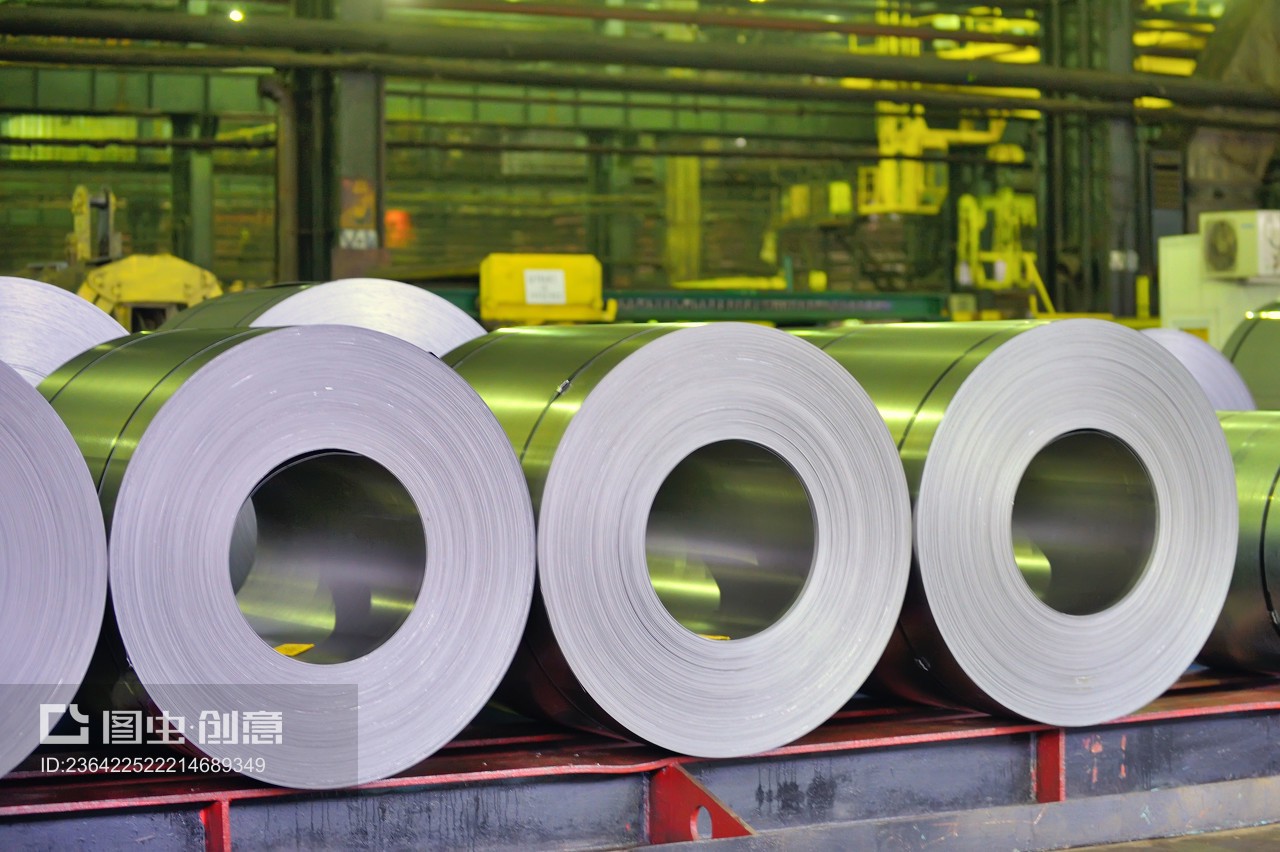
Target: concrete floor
[[1266, 837]]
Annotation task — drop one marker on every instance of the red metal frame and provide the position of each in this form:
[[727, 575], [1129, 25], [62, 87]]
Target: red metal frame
[[1050, 780], [519, 752], [217, 826], [675, 800]]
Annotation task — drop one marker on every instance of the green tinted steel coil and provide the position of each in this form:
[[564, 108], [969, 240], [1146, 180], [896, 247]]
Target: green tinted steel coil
[[1247, 636], [1074, 513], [722, 528], [392, 523], [1254, 349]]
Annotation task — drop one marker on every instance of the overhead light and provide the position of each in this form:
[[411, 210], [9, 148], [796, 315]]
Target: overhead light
[[236, 15]]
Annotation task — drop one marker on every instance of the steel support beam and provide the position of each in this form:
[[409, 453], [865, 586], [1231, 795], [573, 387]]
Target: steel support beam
[[682, 189], [111, 91], [339, 131], [1116, 226], [1051, 191], [430, 69], [191, 171], [624, 113], [611, 232], [314, 201], [477, 43], [287, 176]]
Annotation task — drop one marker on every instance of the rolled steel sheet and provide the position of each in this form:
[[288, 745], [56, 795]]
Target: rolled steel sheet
[[43, 326], [391, 307], [53, 566], [1075, 513], [401, 310], [1254, 348], [1246, 635], [723, 529], [394, 528], [1213, 371]]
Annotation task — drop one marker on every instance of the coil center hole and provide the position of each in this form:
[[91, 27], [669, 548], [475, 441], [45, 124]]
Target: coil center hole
[[730, 540], [1084, 521], [328, 557]]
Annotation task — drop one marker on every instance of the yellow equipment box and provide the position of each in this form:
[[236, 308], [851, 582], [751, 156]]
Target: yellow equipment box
[[534, 289]]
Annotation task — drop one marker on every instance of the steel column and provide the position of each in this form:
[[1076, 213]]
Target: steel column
[[1050, 781], [191, 171], [1117, 220], [316, 197], [288, 146], [611, 232]]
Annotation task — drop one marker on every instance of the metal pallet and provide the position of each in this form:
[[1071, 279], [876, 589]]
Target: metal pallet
[[879, 776]]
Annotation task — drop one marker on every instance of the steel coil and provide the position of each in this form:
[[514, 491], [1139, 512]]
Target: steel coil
[[723, 529], [1246, 635], [394, 527], [391, 307], [43, 326], [1254, 348], [1075, 514], [1215, 374], [53, 567], [401, 310]]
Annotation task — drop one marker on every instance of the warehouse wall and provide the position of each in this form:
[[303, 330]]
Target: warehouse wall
[[36, 185]]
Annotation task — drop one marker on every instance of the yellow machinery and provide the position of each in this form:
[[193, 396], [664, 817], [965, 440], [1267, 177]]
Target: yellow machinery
[[1006, 264], [536, 289], [144, 290], [902, 182], [83, 245], [140, 291]]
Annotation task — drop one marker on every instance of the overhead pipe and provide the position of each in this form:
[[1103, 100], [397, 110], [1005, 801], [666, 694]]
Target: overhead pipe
[[837, 142], [965, 7], [429, 69], [477, 43], [867, 154], [716, 19], [854, 154]]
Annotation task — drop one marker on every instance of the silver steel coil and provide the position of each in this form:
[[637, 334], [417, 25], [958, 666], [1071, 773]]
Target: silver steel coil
[[53, 567], [394, 527], [723, 529], [1213, 371], [43, 326], [410, 313], [1075, 513]]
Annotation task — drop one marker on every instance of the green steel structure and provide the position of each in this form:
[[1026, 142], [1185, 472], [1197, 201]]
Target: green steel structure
[[326, 138]]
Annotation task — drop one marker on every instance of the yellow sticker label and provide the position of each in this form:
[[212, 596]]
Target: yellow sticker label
[[294, 649]]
